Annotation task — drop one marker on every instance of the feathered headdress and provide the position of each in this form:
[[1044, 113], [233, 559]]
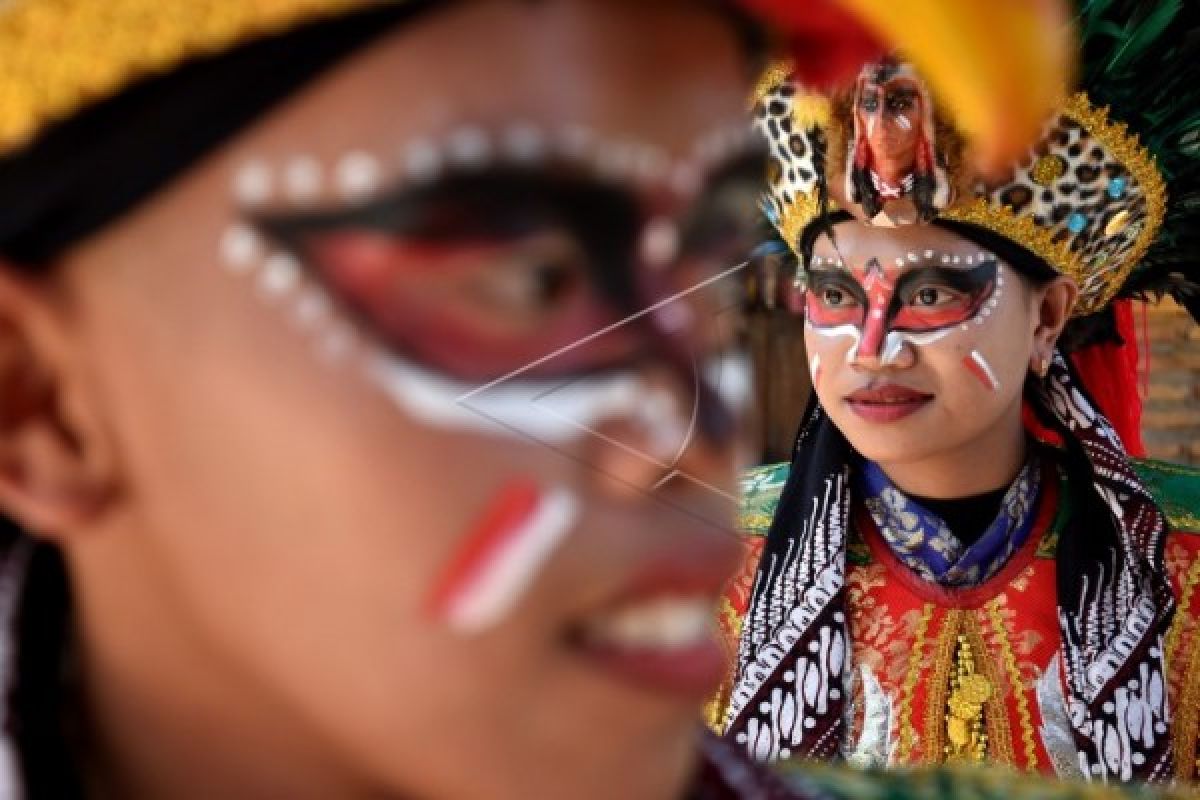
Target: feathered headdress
[[1091, 199]]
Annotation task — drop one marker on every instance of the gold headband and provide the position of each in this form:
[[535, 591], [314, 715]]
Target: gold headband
[[59, 56]]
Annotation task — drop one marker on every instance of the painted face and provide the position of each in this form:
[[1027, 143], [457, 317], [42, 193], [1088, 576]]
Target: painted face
[[520, 272], [919, 300], [901, 331], [419, 383], [889, 107]]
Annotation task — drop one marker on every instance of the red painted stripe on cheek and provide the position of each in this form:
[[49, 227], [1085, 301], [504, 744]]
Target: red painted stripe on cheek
[[979, 371], [507, 514]]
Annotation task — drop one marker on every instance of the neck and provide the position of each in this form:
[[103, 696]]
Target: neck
[[985, 464], [163, 716]]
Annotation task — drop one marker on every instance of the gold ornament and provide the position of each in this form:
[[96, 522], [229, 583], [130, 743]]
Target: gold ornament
[[969, 691], [1117, 223], [1048, 169]]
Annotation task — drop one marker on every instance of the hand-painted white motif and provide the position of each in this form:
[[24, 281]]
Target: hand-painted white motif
[[507, 576], [895, 341], [1115, 628], [357, 175], [803, 594]]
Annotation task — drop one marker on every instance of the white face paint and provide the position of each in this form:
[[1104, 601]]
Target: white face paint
[[979, 366], [490, 591], [894, 342], [356, 175], [550, 411]]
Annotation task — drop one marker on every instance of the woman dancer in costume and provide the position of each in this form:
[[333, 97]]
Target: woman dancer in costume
[[963, 561], [305, 509]]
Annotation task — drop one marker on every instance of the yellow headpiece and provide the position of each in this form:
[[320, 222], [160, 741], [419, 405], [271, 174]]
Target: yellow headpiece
[[60, 56]]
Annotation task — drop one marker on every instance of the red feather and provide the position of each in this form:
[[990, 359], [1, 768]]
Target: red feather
[[828, 44]]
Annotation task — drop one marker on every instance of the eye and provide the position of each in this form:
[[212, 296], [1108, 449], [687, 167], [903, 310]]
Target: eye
[[526, 285], [899, 102], [933, 297], [870, 102], [833, 297]]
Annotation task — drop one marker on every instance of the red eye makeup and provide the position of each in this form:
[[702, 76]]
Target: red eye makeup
[[912, 301], [503, 267]]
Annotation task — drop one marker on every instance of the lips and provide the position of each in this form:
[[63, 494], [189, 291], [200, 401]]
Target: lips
[[887, 403], [658, 633]]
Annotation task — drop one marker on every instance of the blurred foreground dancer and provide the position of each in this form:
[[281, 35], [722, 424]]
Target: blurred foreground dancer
[[338, 459], [963, 561]]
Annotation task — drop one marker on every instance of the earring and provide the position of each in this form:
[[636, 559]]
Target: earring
[[1043, 367]]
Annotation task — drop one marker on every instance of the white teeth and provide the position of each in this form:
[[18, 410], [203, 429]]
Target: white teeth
[[665, 623]]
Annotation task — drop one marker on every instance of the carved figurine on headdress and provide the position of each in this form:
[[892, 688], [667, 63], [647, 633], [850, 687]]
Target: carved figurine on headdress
[[892, 166]]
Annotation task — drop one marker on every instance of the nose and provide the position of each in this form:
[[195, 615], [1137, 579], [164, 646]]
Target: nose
[[882, 351]]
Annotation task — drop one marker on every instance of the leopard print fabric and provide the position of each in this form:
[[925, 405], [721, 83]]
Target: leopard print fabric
[[795, 159], [1076, 188]]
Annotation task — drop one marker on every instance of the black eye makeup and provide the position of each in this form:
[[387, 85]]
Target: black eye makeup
[[480, 272]]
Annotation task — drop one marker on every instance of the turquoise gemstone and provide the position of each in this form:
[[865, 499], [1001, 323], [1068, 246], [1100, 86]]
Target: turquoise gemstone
[[1076, 222], [1116, 188]]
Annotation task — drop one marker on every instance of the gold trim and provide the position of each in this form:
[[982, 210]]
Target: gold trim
[[753, 523], [908, 734], [1024, 231], [1186, 724], [1127, 149], [938, 691], [999, 730], [1188, 717], [1185, 601], [811, 111], [61, 56], [971, 707], [1000, 634], [774, 75], [796, 217]]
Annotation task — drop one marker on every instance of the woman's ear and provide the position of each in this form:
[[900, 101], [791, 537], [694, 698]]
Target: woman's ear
[[56, 475], [1055, 302]]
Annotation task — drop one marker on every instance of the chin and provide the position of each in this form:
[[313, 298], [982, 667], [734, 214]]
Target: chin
[[898, 443]]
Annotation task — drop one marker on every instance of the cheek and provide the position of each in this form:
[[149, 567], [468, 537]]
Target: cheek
[[827, 354], [976, 368]]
